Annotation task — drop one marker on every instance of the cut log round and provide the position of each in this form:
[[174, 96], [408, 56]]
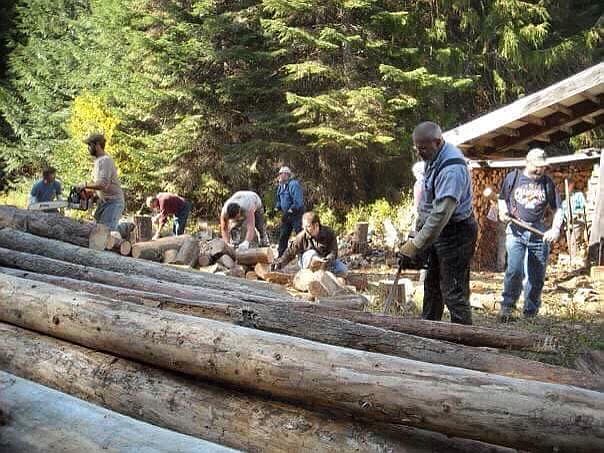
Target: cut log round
[[264, 273], [251, 275], [302, 279], [217, 247], [170, 256], [325, 284], [41, 419], [125, 248], [188, 254], [449, 400], [330, 330], [251, 257], [166, 399], [154, 250], [359, 281], [24, 242], [236, 271], [226, 261], [55, 226], [143, 229], [203, 260]]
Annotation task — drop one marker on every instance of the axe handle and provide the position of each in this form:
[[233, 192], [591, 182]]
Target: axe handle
[[526, 226]]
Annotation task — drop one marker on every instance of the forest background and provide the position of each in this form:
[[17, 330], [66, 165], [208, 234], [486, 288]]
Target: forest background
[[205, 97]]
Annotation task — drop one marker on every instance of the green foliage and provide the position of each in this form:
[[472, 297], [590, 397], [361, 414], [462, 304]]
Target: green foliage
[[328, 217], [205, 97]]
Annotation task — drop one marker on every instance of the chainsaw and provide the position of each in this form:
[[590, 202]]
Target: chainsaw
[[80, 199]]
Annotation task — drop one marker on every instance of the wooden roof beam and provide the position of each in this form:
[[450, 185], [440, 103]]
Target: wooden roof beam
[[534, 120], [510, 132], [563, 109], [543, 138], [589, 119], [591, 97]]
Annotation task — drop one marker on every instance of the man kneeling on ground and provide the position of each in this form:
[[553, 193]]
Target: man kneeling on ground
[[316, 247]]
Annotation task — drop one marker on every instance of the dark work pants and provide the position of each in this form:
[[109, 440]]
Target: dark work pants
[[180, 219], [448, 278], [289, 223]]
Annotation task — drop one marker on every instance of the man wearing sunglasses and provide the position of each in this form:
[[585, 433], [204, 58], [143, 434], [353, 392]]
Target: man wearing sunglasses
[[446, 227], [105, 182]]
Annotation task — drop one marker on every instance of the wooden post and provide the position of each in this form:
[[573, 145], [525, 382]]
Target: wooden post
[[359, 243], [143, 229]]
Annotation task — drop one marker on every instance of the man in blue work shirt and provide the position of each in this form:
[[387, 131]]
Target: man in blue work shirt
[[447, 230], [46, 189], [290, 202]]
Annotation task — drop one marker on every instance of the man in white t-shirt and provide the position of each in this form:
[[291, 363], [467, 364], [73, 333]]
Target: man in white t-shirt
[[245, 209], [106, 183]]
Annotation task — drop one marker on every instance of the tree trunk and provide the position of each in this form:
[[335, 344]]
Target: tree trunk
[[345, 301], [251, 257], [456, 333], [154, 250], [35, 263], [17, 240], [188, 252], [538, 416], [55, 226], [244, 290], [143, 228], [359, 241], [333, 331], [217, 247], [42, 420], [250, 423]]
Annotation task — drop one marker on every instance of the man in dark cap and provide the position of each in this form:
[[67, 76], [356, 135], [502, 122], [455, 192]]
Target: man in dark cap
[[105, 182]]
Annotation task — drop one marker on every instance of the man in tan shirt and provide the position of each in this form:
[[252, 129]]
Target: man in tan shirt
[[106, 183]]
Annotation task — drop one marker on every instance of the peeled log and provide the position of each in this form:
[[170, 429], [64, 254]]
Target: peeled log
[[190, 406], [24, 242], [333, 331], [457, 333], [36, 263], [538, 416], [154, 250], [251, 257], [55, 226], [43, 420], [188, 253], [253, 291]]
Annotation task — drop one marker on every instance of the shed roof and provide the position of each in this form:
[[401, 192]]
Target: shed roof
[[590, 154], [567, 108]]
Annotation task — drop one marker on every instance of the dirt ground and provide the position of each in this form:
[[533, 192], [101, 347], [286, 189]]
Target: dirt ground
[[572, 311]]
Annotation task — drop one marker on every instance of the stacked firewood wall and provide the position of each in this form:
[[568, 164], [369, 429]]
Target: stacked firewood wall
[[485, 257]]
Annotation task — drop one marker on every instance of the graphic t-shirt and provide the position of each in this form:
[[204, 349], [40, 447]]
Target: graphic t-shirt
[[528, 198]]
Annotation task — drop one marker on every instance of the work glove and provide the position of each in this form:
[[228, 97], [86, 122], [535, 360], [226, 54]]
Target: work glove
[[505, 217], [551, 235], [244, 246], [408, 249]]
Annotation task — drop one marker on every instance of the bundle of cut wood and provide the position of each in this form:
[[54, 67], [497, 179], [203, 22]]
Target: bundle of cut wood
[[321, 378]]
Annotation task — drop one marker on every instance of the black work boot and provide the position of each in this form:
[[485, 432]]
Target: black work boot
[[506, 314]]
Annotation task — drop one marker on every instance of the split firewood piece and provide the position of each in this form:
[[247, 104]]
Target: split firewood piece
[[188, 254], [264, 273], [251, 257]]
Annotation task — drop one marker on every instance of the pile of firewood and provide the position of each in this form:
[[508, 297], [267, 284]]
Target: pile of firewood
[[244, 364]]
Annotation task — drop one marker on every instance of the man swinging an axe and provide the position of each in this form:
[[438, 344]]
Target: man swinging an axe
[[524, 198]]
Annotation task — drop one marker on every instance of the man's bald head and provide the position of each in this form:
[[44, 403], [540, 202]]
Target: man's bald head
[[427, 131], [427, 139]]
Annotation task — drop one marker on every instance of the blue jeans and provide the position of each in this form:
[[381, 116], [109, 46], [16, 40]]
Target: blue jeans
[[337, 266], [109, 213], [180, 219], [527, 256]]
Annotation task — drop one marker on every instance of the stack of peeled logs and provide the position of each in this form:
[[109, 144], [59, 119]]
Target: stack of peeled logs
[[242, 364]]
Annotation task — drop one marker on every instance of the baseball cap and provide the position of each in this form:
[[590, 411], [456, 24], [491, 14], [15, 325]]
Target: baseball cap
[[95, 138], [285, 170], [537, 157]]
